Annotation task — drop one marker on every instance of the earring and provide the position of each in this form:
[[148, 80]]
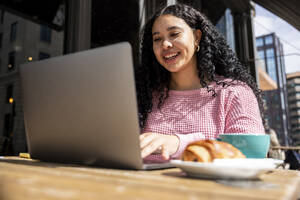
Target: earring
[[198, 48]]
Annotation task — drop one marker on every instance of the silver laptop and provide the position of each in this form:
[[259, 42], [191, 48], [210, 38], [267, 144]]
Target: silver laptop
[[81, 108]]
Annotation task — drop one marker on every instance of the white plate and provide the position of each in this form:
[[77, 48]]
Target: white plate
[[228, 168]]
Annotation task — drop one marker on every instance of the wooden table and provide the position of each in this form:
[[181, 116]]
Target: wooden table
[[29, 179]]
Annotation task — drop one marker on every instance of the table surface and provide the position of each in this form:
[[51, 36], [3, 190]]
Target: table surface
[[30, 179]]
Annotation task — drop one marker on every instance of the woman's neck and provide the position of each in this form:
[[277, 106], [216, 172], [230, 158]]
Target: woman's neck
[[185, 81]]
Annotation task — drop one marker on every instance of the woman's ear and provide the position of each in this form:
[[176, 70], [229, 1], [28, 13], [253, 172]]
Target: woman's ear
[[198, 35]]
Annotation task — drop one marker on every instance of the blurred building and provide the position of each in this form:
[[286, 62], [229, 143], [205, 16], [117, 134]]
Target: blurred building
[[270, 50], [31, 30], [21, 41], [293, 86], [265, 82]]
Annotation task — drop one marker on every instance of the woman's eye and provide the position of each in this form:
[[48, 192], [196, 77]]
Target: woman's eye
[[156, 39], [175, 34]]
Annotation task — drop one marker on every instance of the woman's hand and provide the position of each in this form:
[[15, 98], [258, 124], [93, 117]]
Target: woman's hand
[[158, 143]]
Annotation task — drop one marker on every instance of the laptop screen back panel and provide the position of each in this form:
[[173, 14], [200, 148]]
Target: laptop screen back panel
[[81, 108]]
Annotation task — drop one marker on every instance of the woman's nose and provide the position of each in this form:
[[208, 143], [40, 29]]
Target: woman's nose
[[166, 44]]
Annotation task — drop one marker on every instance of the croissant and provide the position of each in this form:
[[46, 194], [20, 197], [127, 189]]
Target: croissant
[[208, 150]]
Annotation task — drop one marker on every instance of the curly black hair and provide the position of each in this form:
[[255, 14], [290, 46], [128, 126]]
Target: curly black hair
[[215, 59]]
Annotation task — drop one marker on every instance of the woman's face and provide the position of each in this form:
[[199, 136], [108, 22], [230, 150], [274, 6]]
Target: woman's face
[[174, 43]]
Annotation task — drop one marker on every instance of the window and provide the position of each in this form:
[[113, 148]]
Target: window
[[261, 59], [11, 60], [261, 54], [221, 25], [269, 39], [9, 93], [272, 70], [226, 27], [259, 42], [271, 67], [45, 34], [43, 56], [270, 53], [13, 31]]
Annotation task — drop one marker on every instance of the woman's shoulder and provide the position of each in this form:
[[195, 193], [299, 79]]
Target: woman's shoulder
[[229, 85]]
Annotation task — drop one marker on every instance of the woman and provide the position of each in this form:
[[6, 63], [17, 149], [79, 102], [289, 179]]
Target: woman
[[190, 85]]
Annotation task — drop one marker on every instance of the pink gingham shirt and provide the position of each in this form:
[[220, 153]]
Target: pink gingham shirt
[[195, 114]]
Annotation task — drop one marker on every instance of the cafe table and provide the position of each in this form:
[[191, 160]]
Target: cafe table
[[31, 179]]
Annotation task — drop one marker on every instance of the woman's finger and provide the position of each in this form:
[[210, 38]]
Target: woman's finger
[[146, 139], [158, 150], [153, 146], [142, 136], [165, 153]]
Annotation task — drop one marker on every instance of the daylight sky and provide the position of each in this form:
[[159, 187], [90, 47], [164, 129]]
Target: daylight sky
[[266, 22]]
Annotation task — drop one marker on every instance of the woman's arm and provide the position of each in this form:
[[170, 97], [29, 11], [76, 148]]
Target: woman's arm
[[184, 140], [243, 114]]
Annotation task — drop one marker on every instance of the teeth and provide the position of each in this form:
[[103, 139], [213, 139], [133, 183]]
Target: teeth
[[171, 55]]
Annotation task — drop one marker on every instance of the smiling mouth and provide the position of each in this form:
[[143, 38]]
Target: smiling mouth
[[171, 57]]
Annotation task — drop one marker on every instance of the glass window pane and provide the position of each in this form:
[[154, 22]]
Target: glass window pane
[[11, 60], [269, 39], [13, 32], [259, 42], [261, 59], [271, 67], [45, 34], [43, 56], [261, 54], [226, 26]]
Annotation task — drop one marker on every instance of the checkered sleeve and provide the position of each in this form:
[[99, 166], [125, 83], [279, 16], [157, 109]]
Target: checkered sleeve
[[184, 140], [243, 115]]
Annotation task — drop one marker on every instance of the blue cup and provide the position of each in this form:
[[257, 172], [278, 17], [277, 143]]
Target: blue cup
[[251, 145]]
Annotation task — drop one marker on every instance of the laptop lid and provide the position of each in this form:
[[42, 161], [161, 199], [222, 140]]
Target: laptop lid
[[81, 108]]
